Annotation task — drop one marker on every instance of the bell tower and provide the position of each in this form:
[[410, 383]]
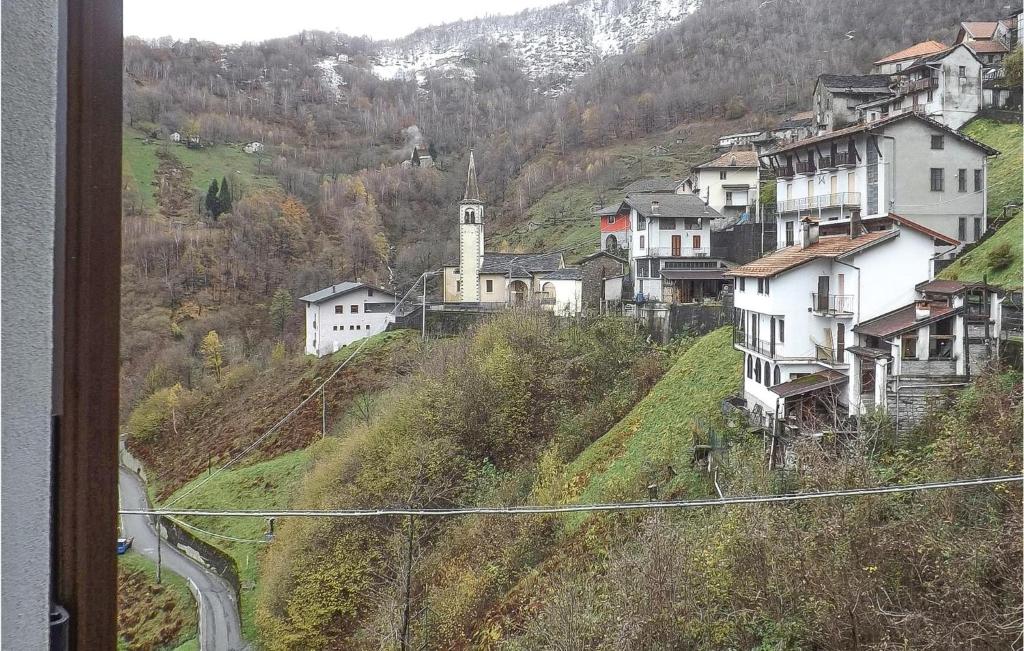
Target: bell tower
[[471, 236]]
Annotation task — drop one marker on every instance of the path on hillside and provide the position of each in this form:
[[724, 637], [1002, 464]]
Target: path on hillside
[[219, 625]]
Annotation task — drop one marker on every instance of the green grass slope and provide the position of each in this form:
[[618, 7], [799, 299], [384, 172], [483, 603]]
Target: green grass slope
[[999, 258], [660, 430], [153, 615]]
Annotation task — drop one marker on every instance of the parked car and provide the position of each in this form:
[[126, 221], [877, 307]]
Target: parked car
[[124, 544]]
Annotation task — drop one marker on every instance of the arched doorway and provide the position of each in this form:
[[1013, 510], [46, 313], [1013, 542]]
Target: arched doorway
[[611, 243], [517, 292], [547, 294]]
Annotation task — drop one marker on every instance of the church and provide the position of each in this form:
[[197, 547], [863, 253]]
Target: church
[[489, 279]]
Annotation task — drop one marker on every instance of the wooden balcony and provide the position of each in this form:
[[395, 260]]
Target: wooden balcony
[[806, 167], [785, 173]]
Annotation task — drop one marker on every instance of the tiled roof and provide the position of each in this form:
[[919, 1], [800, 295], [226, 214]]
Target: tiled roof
[[660, 184], [988, 47], [672, 205], [520, 265], [901, 320], [568, 273], [914, 51], [828, 246], [605, 211], [742, 158], [865, 126], [935, 235], [802, 119], [339, 289], [858, 84], [809, 383], [980, 29]]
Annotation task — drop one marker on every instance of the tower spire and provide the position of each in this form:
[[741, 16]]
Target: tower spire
[[472, 189]]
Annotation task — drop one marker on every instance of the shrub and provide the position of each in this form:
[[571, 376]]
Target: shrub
[[1000, 257], [149, 417]]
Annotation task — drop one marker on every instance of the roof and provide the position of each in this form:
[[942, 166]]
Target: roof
[[988, 47], [881, 222], [868, 352], [938, 56], [914, 51], [745, 134], [827, 246], [941, 287], [809, 383], [742, 158], [520, 265], [901, 320], [692, 274], [802, 119], [882, 122], [606, 254], [568, 273], [855, 84], [672, 205], [606, 211], [935, 235], [338, 289], [472, 194], [660, 184], [980, 29]]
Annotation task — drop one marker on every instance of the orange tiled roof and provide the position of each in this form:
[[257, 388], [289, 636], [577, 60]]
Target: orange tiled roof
[[827, 246], [980, 29], [987, 47], [914, 51]]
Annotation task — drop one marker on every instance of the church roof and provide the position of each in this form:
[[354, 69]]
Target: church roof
[[520, 265], [472, 194]]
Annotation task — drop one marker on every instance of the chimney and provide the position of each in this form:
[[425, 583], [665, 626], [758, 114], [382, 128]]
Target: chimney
[[655, 208], [856, 226], [810, 232], [922, 310]]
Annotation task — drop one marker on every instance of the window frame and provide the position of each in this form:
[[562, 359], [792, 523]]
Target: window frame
[[938, 139], [961, 179], [937, 174]]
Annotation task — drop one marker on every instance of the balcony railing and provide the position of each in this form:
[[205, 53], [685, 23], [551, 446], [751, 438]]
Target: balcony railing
[[806, 167], [785, 172], [832, 303], [675, 252], [770, 349], [833, 161], [920, 84], [834, 200]]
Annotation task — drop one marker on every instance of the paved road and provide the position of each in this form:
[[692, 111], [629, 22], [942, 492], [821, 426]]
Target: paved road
[[219, 627]]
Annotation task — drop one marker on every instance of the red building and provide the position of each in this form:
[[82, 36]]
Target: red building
[[614, 220]]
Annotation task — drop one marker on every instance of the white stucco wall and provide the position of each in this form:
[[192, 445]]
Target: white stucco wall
[[327, 331], [712, 188], [568, 295]]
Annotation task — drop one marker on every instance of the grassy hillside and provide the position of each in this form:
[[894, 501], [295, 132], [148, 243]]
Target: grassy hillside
[[151, 615], [1000, 258]]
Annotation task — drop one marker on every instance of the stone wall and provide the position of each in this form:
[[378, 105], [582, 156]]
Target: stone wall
[[667, 321], [594, 271], [919, 396], [201, 552]]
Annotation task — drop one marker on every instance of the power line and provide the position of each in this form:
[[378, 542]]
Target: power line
[[297, 407], [585, 508]]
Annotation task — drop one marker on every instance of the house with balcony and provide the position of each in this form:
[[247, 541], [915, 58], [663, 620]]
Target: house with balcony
[[729, 184], [836, 98], [670, 248], [945, 86], [904, 360], [897, 61], [905, 164], [796, 311], [613, 221]]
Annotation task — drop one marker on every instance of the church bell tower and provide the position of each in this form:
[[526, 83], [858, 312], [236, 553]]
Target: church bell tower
[[471, 236]]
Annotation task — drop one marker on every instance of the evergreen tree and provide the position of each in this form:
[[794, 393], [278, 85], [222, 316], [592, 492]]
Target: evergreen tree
[[212, 203], [416, 156], [225, 198], [281, 306], [432, 151]]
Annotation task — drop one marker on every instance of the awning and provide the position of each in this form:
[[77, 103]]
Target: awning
[[868, 353], [809, 383], [693, 274]]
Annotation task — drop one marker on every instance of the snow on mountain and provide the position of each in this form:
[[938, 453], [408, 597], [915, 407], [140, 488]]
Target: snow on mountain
[[553, 45]]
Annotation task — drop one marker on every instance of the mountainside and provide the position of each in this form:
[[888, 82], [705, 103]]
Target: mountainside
[[553, 45]]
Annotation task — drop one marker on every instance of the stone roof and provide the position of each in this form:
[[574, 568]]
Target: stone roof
[[855, 84], [339, 289], [520, 265], [742, 158], [827, 246], [568, 273], [672, 205], [914, 51], [605, 211], [901, 320], [660, 184]]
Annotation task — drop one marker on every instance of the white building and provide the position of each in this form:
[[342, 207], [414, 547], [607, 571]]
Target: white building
[[340, 314], [737, 139], [175, 137], [488, 279], [945, 86], [897, 61], [729, 183], [253, 148], [797, 308], [904, 164]]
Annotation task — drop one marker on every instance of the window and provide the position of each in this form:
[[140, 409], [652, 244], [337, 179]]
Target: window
[[767, 374], [722, 175], [369, 292], [359, 327], [642, 242], [655, 268], [490, 285], [961, 229], [909, 346], [931, 95], [611, 219], [335, 327], [743, 283], [777, 377], [760, 285], [641, 221], [643, 268], [458, 285], [789, 234], [977, 228], [354, 309], [963, 71], [937, 179], [757, 371], [339, 309], [696, 241], [750, 366], [667, 224], [977, 180], [961, 180], [938, 142], [782, 331], [767, 288], [899, 66], [691, 224], [728, 198], [351, 327]]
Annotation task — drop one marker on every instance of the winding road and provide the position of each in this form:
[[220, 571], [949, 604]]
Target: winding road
[[219, 625]]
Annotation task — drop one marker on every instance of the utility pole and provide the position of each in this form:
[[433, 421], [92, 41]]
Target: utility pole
[[423, 308], [159, 520], [323, 412], [408, 587]]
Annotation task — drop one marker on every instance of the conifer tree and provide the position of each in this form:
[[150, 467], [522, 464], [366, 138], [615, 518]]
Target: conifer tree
[[224, 198], [212, 203]]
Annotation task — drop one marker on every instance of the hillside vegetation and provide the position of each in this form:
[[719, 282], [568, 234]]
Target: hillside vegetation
[[150, 615], [999, 259]]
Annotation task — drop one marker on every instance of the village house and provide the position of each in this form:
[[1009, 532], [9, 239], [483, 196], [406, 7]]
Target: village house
[[989, 40], [904, 359], [836, 98], [797, 308], [175, 137], [795, 127], [897, 61], [614, 224], [487, 280], [945, 86], [253, 147], [596, 270], [733, 140], [729, 184], [905, 164], [346, 312]]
